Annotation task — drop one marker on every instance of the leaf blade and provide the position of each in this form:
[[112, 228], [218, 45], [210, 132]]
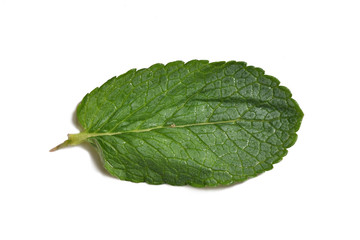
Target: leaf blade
[[196, 123]]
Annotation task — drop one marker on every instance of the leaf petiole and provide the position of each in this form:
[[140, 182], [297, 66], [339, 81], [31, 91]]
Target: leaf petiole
[[73, 139]]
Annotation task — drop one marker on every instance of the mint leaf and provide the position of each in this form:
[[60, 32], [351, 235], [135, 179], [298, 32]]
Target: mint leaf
[[196, 123]]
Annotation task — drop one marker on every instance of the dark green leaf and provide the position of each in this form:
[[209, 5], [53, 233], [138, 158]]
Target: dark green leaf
[[196, 123]]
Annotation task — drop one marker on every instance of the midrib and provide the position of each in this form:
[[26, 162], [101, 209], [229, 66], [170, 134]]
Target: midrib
[[75, 139], [89, 135]]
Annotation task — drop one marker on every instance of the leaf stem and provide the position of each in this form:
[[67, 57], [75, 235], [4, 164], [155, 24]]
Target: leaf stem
[[73, 139], [61, 145]]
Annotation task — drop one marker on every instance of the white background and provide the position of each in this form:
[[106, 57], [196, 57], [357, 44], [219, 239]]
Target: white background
[[54, 52]]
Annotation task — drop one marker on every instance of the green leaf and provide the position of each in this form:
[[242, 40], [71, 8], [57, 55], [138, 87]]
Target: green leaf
[[196, 123]]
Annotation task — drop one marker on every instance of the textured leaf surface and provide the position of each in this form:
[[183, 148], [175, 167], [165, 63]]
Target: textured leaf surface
[[196, 123]]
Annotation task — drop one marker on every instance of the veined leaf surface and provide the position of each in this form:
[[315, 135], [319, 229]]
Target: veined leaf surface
[[196, 123]]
